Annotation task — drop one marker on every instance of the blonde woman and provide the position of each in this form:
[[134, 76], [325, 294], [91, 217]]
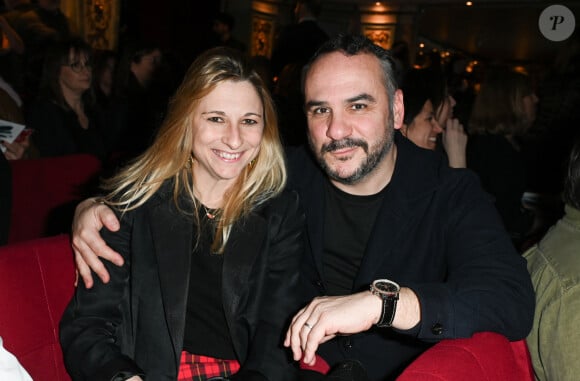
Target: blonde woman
[[210, 241]]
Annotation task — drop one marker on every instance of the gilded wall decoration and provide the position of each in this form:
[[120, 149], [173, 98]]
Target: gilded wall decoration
[[101, 17], [262, 36], [96, 20], [380, 35]]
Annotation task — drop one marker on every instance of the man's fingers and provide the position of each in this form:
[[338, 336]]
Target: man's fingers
[[83, 271], [107, 217]]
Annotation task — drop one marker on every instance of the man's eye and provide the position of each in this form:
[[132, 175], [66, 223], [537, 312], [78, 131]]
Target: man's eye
[[359, 106], [320, 110]]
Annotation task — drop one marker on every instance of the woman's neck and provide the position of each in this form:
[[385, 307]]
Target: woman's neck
[[209, 191], [73, 98]]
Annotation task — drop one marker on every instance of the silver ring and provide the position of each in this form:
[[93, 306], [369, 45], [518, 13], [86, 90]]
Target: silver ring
[[308, 325]]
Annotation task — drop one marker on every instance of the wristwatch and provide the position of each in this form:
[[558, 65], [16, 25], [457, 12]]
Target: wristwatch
[[388, 291]]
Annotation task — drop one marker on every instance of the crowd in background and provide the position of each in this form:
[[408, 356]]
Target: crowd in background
[[515, 129]]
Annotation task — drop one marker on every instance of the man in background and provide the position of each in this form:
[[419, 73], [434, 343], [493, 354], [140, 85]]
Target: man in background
[[554, 265]]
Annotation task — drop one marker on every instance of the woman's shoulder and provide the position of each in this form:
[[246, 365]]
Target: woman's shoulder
[[281, 203]]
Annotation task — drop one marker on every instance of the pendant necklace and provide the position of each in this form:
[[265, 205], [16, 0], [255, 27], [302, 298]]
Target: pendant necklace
[[211, 214]]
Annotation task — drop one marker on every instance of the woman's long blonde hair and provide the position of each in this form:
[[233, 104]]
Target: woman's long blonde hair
[[168, 158]]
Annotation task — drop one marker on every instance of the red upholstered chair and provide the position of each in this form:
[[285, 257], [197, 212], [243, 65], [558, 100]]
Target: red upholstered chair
[[44, 192], [486, 356], [36, 284]]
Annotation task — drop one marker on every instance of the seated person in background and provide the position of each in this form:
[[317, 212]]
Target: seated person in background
[[136, 106], [429, 113], [210, 240], [380, 211], [223, 27], [63, 116], [554, 264], [502, 112], [10, 110]]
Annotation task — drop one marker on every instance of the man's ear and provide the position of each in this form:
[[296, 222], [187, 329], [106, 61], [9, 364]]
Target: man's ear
[[398, 109]]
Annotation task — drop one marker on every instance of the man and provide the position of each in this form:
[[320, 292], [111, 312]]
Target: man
[[554, 265], [298, 42], [379, 208], [223, 26]]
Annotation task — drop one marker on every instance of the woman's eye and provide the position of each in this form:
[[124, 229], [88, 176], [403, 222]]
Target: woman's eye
[[215, 119], [249, 121]]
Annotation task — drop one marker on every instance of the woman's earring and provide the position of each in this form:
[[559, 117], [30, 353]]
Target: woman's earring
[[251, 163], [189, 164]]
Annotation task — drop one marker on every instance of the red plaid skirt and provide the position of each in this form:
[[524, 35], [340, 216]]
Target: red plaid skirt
[[200, 368]]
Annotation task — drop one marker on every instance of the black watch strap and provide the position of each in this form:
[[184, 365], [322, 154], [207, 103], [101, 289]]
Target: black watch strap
[[388, 311]]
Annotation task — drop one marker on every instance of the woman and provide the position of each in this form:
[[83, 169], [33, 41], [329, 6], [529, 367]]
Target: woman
[[63, 117], [503, 110], [429, 114], [211, 244]]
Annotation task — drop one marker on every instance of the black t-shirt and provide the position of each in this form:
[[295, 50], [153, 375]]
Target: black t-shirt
[[350, 220], [206, 329]]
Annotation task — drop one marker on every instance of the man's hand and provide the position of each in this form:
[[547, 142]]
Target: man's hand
[[90, 216], [328, 316]]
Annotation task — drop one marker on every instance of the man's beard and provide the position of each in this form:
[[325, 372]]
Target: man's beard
[[373, 158]]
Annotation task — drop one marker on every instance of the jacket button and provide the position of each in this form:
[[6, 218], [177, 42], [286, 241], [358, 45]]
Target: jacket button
[[320, 285], [437, 329], [346, 343]]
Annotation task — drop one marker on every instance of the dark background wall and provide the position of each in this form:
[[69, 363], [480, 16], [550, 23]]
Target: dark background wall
[[182, 27]]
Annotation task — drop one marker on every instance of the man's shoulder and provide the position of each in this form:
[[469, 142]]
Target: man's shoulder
[[555, 257], [425, 169]]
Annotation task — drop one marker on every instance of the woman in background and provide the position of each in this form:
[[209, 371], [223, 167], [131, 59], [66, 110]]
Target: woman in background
[[64, 117], [429, 121], [503, 111]]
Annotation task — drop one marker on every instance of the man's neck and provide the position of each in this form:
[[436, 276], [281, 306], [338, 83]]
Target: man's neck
[[376, 180]]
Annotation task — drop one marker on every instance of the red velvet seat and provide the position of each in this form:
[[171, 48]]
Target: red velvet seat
[[41, 186], [486, 356], [36, 284]]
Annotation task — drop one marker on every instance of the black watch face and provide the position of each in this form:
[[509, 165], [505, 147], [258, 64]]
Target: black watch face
[[386, 287]]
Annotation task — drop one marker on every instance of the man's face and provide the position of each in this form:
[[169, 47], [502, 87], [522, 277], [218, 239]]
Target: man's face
[[349, 120]]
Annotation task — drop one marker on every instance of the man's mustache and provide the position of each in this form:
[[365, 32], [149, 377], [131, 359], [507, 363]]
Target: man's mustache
[[344, 143]]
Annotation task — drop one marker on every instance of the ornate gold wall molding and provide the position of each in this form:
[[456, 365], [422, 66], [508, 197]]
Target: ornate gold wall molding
[[96, 20]]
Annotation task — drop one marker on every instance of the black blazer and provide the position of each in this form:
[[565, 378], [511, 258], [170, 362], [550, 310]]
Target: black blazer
[[135, 324], [437, 232]]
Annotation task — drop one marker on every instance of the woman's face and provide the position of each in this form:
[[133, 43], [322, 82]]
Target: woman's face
[[227, 127], [76, 76], [108, 73], [424, 128], [529, 105]]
